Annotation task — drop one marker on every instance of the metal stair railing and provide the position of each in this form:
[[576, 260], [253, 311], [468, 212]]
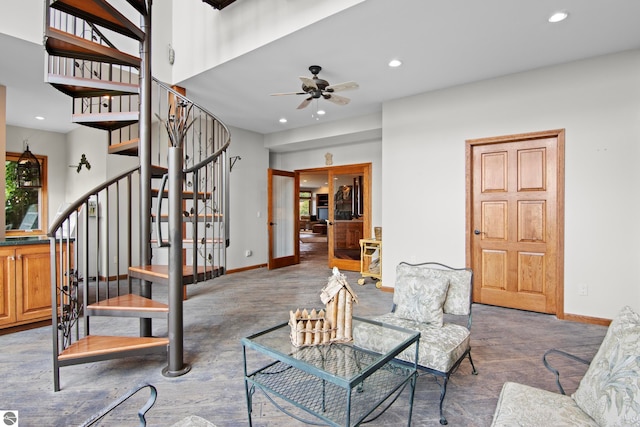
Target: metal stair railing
[[98, 226], [205, 172], [91, 249]]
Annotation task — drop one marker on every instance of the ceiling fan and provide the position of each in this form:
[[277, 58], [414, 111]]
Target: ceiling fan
[[316, 88]]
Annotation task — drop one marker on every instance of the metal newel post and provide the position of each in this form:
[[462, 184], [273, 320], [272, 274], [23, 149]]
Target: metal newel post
[[175, 366]]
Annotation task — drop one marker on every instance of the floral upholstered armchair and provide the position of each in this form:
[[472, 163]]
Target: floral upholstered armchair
[[435, 300], [608, 394]]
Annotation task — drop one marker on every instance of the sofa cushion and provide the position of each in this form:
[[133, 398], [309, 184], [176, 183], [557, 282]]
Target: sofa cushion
[[522, 405], [419, 294], [610, 389], [439, 349]]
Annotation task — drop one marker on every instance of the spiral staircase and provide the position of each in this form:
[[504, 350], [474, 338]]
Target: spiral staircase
[[163, 222]]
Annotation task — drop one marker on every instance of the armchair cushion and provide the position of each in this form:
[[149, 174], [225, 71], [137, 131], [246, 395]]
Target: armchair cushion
[[550, 409], [419, 294], [440, 347], [610, 390]]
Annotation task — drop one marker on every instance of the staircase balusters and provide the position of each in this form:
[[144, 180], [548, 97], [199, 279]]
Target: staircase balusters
[[97, 237]]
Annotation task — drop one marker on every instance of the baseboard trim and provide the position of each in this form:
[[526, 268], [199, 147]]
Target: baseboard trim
[[387, 289], [586, 319], [251, 267]]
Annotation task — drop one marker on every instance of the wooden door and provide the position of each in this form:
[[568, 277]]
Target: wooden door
[[283, 208], [349, 214], [7, 286], [33, 278], [515, 225]]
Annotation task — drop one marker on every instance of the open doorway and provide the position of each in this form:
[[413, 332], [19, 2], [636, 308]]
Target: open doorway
[[314, 213], [334, 205]]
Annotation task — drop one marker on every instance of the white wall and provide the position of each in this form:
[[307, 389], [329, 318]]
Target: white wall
[[597, 101], [248, 200], [205, 37], [23, 19]]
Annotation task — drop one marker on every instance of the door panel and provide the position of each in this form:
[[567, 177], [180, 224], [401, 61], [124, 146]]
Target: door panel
[[349, 214], [7, 286], [33, 276], [515, 245], [283, 209]]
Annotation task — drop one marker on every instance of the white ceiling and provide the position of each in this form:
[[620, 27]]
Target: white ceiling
[[441, 43]]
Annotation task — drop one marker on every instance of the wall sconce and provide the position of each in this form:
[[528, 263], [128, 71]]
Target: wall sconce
[[28, 170]]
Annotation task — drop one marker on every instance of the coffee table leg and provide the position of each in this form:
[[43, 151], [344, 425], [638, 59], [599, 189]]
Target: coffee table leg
[[414, 379], [248, 390]]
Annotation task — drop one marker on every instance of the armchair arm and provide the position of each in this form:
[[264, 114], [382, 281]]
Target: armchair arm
[[555, 371]]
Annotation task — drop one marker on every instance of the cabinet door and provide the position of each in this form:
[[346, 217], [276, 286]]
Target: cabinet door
[[33, 276], [7, 286]]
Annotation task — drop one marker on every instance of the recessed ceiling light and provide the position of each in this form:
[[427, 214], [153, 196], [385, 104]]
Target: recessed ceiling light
[[321, 112], [558, 17], [283, 120], [39, 118], [394, 63]]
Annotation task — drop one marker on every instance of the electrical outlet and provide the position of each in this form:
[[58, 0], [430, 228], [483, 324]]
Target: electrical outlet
[[583, 290], [248, 253]]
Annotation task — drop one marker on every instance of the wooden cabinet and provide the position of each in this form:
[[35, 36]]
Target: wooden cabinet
[[25, 276], [347, 234]]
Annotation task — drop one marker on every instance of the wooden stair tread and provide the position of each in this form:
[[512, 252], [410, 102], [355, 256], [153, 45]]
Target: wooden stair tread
[[60, 43], [187, 241], [131, 302], [160, 273], [82, 87], [190, 217], [163, 270], [107, 121], [128, 148], [99, 345], [102, 13], [185, 194]]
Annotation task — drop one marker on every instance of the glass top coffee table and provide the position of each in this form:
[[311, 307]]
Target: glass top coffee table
[[338, 383]]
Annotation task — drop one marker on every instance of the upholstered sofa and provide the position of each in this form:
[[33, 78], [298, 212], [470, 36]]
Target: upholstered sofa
[[608, 394]]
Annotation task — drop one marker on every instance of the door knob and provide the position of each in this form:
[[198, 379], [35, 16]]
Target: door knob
[[476, 232]]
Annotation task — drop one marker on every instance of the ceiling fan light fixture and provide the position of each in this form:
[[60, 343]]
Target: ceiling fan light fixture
[[321, 112], [395, 63], [558, 17]]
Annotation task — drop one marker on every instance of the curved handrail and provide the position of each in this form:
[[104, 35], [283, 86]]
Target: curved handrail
[[82, 199], [209, 159], [179, 95]]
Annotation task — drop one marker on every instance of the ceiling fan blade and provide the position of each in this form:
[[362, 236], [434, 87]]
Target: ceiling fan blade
[[304, 103], [342, 86], [289, 93], [336, 99], [309, 82]]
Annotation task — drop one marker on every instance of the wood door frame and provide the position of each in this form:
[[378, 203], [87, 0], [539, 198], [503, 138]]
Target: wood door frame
[[288, 260], [555, 133], [367, 209]]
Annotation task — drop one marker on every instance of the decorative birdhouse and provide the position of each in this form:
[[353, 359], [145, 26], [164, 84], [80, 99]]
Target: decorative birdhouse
[[334, 323]]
